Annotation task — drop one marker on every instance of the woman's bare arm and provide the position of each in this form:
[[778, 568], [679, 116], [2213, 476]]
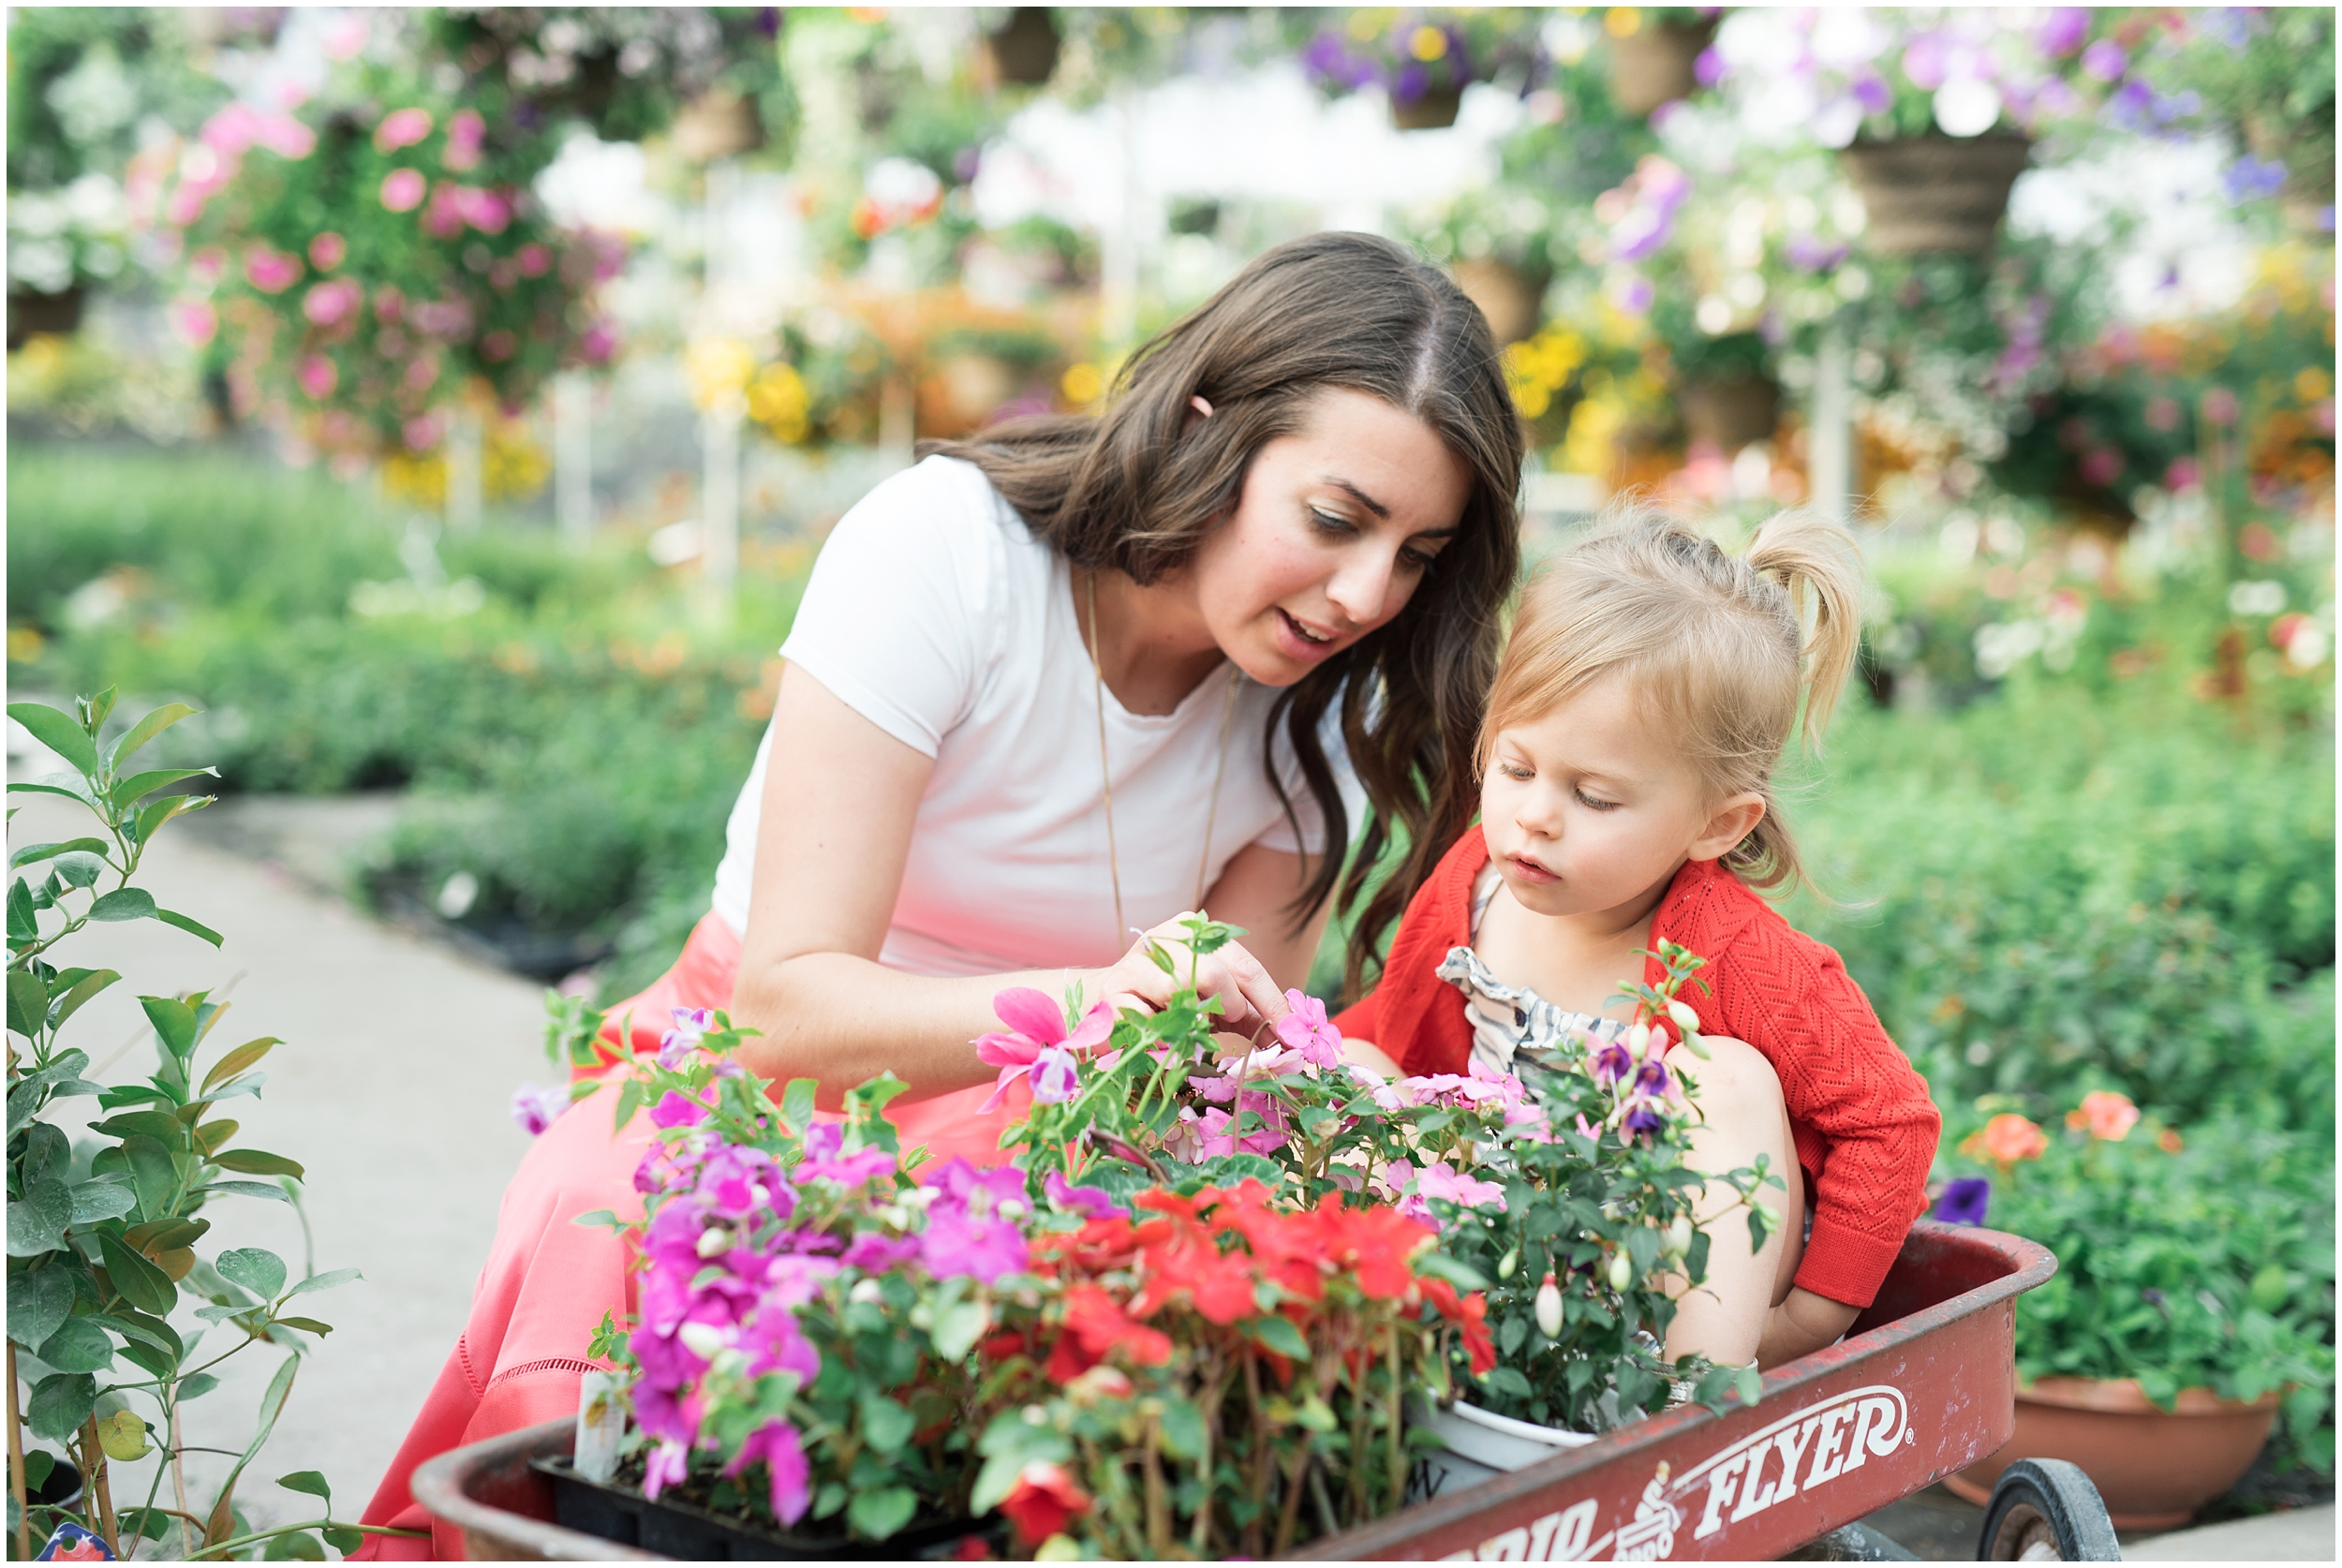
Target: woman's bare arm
[[833, 836]]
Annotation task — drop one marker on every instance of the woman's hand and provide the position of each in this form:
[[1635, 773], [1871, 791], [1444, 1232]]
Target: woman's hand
[[1250, 999]]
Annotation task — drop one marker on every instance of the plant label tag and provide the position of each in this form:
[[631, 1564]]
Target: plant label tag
[[73, 1544], [601, 1423]]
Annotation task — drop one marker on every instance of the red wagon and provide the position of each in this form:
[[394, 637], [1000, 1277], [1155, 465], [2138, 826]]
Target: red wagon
[[1924, 1385]]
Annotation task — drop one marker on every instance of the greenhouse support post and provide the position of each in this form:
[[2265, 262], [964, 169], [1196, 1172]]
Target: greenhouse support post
[[1830, 438], [719, 498], [463, 469], [574, 457]]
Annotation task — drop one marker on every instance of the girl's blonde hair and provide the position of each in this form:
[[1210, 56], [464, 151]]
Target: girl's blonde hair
[[1719, 646]]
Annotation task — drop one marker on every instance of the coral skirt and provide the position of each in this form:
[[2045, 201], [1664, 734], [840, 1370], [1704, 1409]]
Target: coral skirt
[[548, 1281]]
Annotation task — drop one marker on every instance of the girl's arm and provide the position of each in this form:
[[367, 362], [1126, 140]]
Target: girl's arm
[[833, 835]]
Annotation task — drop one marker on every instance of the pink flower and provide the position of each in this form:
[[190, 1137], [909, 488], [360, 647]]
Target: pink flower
[[401, 127], [272, 272], [1055, 1075], [1415, 1188], [1034, 1024], [776, 1444], [598, 343], [318, 377], [2106, 1114], [690, 1023], [465, 132], [535, 260], [484, 209], [664, 1468], [1093, 1202], [499, 346], [334, 302], [1307, 1031], [403, 190], [536, 1109], [327, 251], [197, 321], [675, 1108], [421, 433]]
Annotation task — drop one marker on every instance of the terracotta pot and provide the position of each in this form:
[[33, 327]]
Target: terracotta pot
[[30, 313], [718, 126], [1652, 66], [1024, 50], [1730, 414], [2154, 1468], [1434, 111], [961, 390], [1508, 297], [1926, 193]]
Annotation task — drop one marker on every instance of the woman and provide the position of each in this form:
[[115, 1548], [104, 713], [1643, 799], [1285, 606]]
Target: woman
[[1078, 678]]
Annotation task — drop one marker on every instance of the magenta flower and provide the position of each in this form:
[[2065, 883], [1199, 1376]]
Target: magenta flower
[[690, 1023], [776, 1444], [327, 251], [2062, 30], [197, 321], [957, 1246], [484, 209], [735, 1181], [331, 303], [1612, 1061], [467, 132], [401, 127], [2105, 60], [535, 260], [874, 1253], [664, 1468], [272, 272], [318, 377], [676, 1109], [403, 190], [1092, 1201], [1034, 1024], [536, 1109], [1652, 1080], [1307, 1031]]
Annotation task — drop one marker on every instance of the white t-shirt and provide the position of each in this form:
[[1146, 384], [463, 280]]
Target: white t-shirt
[[935, 613]]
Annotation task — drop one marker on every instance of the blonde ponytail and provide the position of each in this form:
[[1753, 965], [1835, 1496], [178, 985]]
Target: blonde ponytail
[[1819, 566], [1722, 648]]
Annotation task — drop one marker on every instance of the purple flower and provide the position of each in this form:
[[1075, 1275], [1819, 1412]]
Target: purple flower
[[690, 1024], [1652, 1081], [825, 1161], [1054, 1076], [1612, 1061], [1925, 62], [1414, 80], [1709, 68], [664, 1467], [776, 1444], [1091, 1201], [962, 1245], [2250, 177], [676, 1109], [2062, 30], [2105, 60], [537, 1109], [1964, 1202], [1871, 93], [735, 1181], [2230, 26], [874, 1253], [1810, 255], [1643, 1118]]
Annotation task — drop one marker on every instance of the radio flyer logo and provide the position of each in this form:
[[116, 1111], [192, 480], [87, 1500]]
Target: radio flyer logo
[[1801, 1451]]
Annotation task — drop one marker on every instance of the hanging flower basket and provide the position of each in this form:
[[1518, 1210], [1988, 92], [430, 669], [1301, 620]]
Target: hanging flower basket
[[30, 313], [1434, 111], [2153, 1467], [1510, 298], [718, 126], [1025, 50], [1730, 412], [1652, 66], [1935, 193]]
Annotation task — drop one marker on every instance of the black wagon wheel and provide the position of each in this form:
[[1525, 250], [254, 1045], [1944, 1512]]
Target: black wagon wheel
[[2046, 1511]]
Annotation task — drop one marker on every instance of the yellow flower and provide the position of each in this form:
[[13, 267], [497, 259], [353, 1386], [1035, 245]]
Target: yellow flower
[[717, 366], [779, 401], [1082, 383], [1427, 44], [1622, 21]]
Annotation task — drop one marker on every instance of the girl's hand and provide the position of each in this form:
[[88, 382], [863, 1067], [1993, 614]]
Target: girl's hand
[[1249, 998]]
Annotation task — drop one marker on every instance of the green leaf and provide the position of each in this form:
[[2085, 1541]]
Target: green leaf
[[82, 989], [137, 1281], [295, 1545], [92, 710], [161, 1126], [28, 1003], [796, 1104], [1280, 1336], [197, 1386], [94, 1200], [61, 1403], [1456, 1272], [38, 1221], [24, 920], [245, 1190], [958, 1327], [324, 1282], [38, 1301], [146, 729], [174, 1021], [886, 1424], [308, 1324], [252, 1162], [343, 1539], [255, 1268], [629, 1102], [189, 924], [137, 1326], [154, 1173], [68, 785], [874, 1515], [32, 852], [153, 814], [308, 1481], [79, 1345], [1182, 1428], [58, 732], [124, 903], [237, 1061], [79, 869], [138, 786]]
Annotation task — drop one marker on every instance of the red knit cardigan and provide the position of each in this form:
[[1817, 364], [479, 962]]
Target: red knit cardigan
[[1865, 1127]]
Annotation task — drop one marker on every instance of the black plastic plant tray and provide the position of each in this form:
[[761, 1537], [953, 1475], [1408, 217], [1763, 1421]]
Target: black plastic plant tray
[[681, 1530]]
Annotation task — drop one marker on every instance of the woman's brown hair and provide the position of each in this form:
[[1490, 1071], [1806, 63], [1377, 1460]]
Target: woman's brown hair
[[1123, 490]]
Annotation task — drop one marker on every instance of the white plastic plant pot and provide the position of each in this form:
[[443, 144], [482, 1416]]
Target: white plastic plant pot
[[1476, 1446]]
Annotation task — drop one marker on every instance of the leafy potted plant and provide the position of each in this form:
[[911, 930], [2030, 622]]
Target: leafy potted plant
[[1423, 59], [1654, 53], [2193, 1276], [99, 1261]]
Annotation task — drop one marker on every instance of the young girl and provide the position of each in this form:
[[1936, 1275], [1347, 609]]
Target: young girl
[[1626, 761]]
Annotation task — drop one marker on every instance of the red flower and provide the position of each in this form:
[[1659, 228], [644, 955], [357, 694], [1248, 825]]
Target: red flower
[[1043, 1502], [1470, 1314], [1097, 1320], [1378, 1245]]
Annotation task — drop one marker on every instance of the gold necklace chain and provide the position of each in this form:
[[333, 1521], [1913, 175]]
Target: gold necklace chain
[[1106, 772]]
